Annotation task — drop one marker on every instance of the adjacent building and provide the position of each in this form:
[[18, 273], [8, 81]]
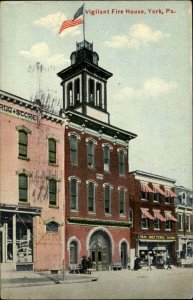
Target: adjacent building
[[184, 212], [153, 217], [31, 186]]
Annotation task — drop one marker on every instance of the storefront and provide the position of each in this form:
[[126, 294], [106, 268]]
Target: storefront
[[159, 247], [16, 236]]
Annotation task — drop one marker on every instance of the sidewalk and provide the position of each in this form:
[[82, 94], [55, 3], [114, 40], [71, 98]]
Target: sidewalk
[[30, 278]]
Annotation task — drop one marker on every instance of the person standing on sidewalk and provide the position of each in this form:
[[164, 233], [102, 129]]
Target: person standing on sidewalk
[[149, 262], [168, 262]]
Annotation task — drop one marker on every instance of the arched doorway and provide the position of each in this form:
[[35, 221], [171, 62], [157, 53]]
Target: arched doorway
[[124, 257], [100, 251]]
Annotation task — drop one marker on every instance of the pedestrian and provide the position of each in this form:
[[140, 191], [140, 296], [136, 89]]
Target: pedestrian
[[136, 264], [89, 265], [84, 264], [168, 262], [149, 262]]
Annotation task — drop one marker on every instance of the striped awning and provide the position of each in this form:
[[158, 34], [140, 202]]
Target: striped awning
[[156, 189], [146, 188], [169, 193], [168, 216], [146, 214], [157, 215]]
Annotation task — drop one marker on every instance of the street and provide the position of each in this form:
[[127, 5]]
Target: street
[[124, 284]]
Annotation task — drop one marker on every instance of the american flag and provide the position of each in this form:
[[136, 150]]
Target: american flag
[[70, 23]]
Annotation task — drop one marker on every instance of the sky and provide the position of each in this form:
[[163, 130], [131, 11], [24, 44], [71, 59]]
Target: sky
[[147, 47]]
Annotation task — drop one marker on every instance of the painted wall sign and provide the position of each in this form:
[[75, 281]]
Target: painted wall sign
[[17, 113]]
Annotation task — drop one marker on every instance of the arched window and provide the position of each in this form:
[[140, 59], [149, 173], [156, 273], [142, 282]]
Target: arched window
[[23, 187], [121, 162], [69, 94], [107, 198], [91, 91], [90, 154], [74, 193], [73, 149], [52, 227], [73, 252], [77, 91], [52, 192], [23, 142], [91, 195], [99, 94], [52, 151]]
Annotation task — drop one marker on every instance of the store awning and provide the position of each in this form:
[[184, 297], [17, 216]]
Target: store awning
[[169, 193], [168, 216], [157, 215], [146, 214], [146, 188], [156, 189]]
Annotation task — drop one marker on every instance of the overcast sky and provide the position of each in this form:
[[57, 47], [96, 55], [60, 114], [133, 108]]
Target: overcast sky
[[149, 55]]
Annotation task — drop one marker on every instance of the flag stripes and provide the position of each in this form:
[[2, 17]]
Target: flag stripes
[[70, 23]]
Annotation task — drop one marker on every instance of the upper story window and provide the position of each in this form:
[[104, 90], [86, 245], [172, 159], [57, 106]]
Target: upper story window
[[156, 223], [144, 223], [122, 192], [90, 153], [180, 222], [156, 197], [69, 94], [106, 158], [145, 190], [167, 199], [77, 90], [74, 149], [91, 195], [91, 91], [168, 224], [187, 222], [23, 142], [52, 151], [74, 193], [23, 187], [99, 94], [107, 198], [121, 162], [52, 227], [52, 192]]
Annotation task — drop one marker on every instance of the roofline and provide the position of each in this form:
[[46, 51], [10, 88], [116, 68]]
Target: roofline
[[182, 188], [138, 172]]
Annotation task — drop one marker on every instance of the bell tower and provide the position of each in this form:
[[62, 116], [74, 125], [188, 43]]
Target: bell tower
[[85, 84]]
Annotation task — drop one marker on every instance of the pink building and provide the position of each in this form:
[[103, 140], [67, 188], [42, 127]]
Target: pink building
[[31, 186]]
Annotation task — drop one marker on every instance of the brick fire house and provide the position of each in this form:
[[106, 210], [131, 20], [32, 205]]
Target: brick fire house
[[96, 166]]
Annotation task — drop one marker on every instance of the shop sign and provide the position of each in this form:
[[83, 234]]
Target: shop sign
[[157, 237], [17, 113]]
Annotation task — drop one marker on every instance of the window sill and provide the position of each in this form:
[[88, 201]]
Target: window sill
[[53, 206], [53, 164], [156, 202], [25, 203], [156, 229], [108, 214], [24, 158], [144, 199], [74, 210], [74, 164], [144, 228], [167, 229], [91, 212], [167, 203], [122, 216], [122, 175]]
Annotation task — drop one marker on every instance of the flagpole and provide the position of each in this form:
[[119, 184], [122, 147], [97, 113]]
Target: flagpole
[[84, 21]]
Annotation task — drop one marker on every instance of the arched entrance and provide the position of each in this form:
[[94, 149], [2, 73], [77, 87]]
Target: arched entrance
[[100, 251], [124, 257]]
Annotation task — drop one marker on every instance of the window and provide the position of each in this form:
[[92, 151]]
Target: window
[[187, 222], [69, 94], [90, 154], [131, 217], [23, 141], [107, 199], [156, 223], [122, 201], [121, 162], [52, 227], [156, 197], [73, 149], [180, 222], [144, 195], [52, 151], [74, 194], [167, 199], [99, 94], [91, 91], [77, 90], [168, 225], [52, 192], [73, 252], [144, 223], [106, 158], [91, 196], [23, 188]]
